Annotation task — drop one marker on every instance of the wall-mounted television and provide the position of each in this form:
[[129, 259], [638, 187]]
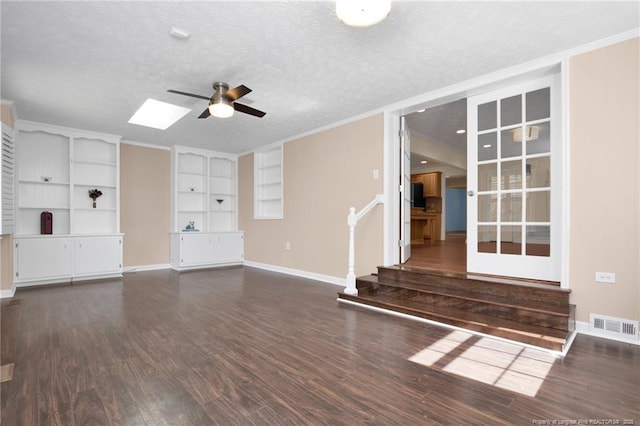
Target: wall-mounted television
[[417, 196]]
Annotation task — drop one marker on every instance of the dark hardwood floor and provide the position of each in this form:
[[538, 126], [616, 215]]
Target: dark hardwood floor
[[245, 346], [448, 255]]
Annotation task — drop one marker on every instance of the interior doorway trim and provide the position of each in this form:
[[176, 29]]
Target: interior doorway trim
[[533, 70]]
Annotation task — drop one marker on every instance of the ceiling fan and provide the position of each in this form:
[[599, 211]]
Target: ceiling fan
[[223, 102]]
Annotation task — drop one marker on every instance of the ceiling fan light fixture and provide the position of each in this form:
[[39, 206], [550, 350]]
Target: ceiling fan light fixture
[[220, 107], [362, 13]]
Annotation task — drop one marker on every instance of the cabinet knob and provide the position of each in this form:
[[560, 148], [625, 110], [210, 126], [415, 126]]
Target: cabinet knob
[[471, 193]]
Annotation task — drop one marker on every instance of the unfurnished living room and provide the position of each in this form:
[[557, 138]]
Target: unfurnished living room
[[320, 212]]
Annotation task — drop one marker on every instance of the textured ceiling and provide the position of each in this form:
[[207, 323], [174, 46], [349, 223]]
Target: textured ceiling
[[91, 64]]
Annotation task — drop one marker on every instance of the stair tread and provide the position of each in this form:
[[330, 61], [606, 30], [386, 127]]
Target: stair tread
[[479, 320], [529, 283], [542, 308]]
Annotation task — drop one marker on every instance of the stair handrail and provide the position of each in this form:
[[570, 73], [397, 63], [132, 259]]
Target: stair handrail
[[352, 221]]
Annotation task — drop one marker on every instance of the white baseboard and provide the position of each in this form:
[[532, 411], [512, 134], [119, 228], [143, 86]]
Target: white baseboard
[[205, 266], [8, 294], [298, 273], [583, 328], [141, 268]]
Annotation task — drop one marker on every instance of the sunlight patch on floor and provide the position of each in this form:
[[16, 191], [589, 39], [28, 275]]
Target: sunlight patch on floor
[[502, 364]]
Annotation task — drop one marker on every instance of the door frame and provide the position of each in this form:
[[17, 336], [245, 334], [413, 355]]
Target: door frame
[[476, 86]]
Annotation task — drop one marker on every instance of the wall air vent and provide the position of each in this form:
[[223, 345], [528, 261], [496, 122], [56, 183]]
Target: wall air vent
[[611, 326]]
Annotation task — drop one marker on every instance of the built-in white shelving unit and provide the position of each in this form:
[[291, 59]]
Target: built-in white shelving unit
[[204, 209], [56, 168], [268, 202]]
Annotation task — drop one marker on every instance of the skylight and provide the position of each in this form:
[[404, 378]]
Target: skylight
[[159, 115]]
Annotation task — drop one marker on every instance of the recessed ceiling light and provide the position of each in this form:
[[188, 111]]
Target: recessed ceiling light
[[461, 131], [487, 145], [422, 110], [159, 115], [423, 162], [179, 34]]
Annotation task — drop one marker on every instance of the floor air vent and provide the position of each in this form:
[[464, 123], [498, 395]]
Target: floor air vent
[[614, 326]]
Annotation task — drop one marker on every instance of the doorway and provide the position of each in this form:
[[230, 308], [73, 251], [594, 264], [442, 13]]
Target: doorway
[[520, 227], [438, 175]]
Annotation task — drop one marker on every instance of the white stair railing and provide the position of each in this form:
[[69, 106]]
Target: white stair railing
[[352, 221]]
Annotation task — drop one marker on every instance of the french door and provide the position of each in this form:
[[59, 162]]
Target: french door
[[405, 192], [514, 181]]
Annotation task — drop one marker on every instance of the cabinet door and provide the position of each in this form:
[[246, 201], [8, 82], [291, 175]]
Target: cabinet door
[[431, 183], [97, 255], [42, 258], [228, 247], [195, 249]]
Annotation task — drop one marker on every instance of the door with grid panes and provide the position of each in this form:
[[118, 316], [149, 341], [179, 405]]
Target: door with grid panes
[[514, 183]]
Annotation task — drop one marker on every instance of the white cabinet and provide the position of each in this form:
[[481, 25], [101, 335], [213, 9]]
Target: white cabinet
[[52, 259], [97, 255], [195, 249], [57, 170], [38, 259]]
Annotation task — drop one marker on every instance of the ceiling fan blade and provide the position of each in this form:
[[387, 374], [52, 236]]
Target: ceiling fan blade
[[248, 110], [237, 92], [205, 114], [189, 94]]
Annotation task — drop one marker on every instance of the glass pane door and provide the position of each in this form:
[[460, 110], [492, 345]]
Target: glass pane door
[[514, 214]]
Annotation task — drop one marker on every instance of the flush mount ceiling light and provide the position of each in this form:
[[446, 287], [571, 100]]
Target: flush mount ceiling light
[[158, 115], [362, 13]]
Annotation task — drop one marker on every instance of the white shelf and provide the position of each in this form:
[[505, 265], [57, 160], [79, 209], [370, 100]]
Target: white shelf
[[94, 185], [43, 208], [41, 182], [95, 163], [191, 173]]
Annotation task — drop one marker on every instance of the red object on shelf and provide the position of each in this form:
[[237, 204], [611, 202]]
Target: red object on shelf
[[46, 223]]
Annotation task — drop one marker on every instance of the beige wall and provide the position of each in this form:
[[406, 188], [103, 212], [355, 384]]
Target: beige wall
[[144, 204], [324, 175], [605, 183], [6, 115], [6, 244]]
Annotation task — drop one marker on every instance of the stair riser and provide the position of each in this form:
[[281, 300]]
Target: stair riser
[[506, 334], [550, 299], [560, 322]]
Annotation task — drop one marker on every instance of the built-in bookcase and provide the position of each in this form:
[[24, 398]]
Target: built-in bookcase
[[56, 168], [95, 166], [268, 189], [222, 194], [204, 190]]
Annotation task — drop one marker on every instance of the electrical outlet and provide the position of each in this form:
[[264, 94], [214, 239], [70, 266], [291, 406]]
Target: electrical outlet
[[287, 245], [376, 173], [606, 277]]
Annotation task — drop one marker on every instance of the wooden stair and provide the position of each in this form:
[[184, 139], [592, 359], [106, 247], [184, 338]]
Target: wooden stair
[[533, 312]]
